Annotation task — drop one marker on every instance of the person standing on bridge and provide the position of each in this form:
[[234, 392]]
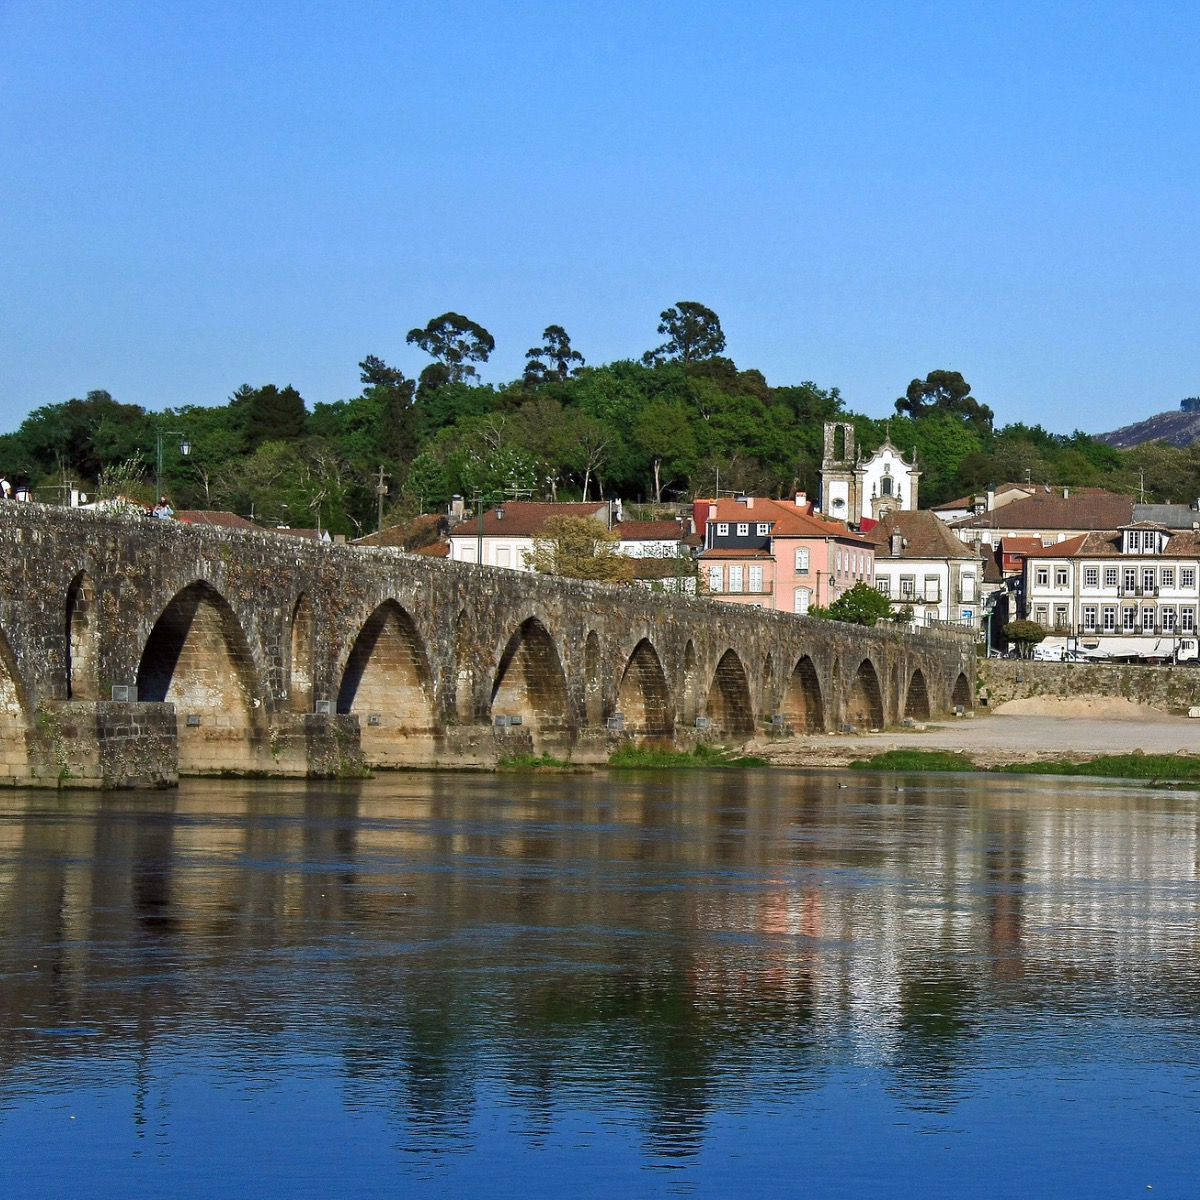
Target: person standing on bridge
[[163, 509], [5, 488]]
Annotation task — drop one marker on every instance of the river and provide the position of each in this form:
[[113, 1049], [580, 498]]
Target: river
[[782, 983]]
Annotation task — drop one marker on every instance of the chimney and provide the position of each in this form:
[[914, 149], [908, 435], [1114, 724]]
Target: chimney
[[991, 497], [457, 507], [712, 511], [802, 500], [897, 543], [749, 501]]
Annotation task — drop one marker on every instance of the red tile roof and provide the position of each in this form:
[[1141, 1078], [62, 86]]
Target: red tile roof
[[786, 519], [1085, 509], [205, 516], [526, 518], [650, 531], [925, 535]]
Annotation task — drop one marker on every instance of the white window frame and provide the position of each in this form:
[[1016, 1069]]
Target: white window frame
[[801, 560], [1187, 577], [1108, 619], [716, 577], [763, 529], [754, 578], [1112, 577], [743, 529], [735, 577], [722, 529], [1187, 620], [1091, 577], [1166, 577]]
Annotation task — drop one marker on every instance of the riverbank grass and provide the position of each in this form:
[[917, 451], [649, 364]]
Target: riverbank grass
[[702, 756], [1174, 768], [915, 760]]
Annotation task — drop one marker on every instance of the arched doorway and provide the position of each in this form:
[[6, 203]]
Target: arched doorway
[[730, 708], [386, 684], [643, 697], [803, 708], [198, 659]]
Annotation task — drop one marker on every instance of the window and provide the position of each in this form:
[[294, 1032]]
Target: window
[[968, 587], [1133, 540], [883, 586], [743, 529], [933, 590], [1129, 620], [1060, 576], [885, 486], [1168, 619], [1187, 577], [1147, 579], [1089, 618], [1108, 619], [1130, 579], [735, 577], [1187, 620], [1041, 614], [839, 562], [714, 578], [803, 596], [722, 529], [1147, 620], [908, 587], [1060, 617], [1166, 577], [763, 529], [1111, 576], [801, 560], [1043, 577], [1091, 576], [755, 578]]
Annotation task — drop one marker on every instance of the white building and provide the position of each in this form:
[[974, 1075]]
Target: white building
[[503, 536], [919, 563], [1135, 591], [853, 487]]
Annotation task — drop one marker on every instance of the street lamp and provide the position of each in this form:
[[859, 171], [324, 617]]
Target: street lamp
[[185, 448]]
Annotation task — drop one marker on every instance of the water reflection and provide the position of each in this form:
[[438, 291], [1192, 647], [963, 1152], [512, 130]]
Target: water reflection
[[658, 952]]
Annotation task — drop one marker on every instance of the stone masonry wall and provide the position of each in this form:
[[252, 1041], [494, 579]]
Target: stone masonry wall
[[1175, 689]]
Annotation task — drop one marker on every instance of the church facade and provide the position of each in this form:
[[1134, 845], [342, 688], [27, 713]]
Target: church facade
[[854, 487]]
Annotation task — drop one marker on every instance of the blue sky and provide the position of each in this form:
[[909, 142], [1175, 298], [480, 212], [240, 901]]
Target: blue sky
[[199, 195]]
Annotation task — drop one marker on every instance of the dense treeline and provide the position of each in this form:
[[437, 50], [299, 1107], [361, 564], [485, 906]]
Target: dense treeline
[[683, 420]]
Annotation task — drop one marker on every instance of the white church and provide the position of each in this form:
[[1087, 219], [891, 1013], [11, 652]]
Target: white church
[[854, 487]]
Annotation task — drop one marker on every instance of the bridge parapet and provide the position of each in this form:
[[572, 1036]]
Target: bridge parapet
[[258, 652]]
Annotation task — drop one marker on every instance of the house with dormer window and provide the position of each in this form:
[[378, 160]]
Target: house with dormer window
[[777, 554], [1129, 593]]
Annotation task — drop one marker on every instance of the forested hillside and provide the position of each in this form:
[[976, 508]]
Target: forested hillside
[[680, 420]]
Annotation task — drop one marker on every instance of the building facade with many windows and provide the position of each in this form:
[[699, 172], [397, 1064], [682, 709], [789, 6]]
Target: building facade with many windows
[[774, 554], [1141, 582]]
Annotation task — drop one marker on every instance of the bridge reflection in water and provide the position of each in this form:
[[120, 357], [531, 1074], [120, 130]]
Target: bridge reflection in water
[[604, 973], [133, 652]]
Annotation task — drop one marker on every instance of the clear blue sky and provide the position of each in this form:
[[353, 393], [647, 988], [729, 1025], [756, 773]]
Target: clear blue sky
[[199, 195]]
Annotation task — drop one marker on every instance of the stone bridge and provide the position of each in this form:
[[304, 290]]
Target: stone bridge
[[133, 651]]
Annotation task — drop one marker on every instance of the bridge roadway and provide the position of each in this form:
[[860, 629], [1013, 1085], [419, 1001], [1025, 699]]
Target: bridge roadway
[[134, 650]]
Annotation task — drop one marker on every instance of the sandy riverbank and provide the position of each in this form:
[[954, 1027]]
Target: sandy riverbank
[[1021, 731]]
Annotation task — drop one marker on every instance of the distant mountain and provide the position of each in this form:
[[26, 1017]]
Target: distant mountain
[[1180, 428]]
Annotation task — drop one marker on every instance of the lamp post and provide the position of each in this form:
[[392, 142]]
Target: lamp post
[[185, 448]]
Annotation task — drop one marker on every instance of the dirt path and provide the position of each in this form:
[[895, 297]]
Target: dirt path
[[1004, 737]]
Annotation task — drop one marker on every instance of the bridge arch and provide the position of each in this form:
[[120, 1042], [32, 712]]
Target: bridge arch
[[593, 681], [916, 702], [803, 706], [729, 705], [530, 684], [14, 717], [197, 657], [386, 684], [643, 696], [962, 691], [301, 656], [83, 682], [864, 705]]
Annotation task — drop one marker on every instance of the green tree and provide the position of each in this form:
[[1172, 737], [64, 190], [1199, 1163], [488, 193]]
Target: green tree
[[664, 434], [944, 392], [1026, 635], [454, 342], [268, 414], [579, 548], [693, 332], [861, 605], [555, 361]]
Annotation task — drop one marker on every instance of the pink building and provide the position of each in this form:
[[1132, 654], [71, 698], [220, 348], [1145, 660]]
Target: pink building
[[777, 554]]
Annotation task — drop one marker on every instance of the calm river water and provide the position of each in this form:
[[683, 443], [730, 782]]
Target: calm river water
[[710, 984]]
